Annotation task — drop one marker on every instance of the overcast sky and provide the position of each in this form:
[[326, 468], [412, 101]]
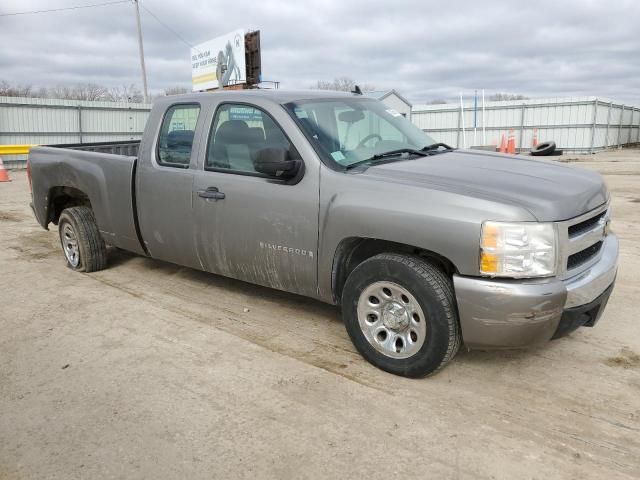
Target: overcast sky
[[424, 49]]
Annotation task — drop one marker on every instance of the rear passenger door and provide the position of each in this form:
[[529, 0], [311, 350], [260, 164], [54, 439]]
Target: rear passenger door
[[164, 186], [259, 229]]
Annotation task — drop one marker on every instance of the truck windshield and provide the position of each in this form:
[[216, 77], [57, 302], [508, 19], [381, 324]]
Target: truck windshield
[[351, 130]]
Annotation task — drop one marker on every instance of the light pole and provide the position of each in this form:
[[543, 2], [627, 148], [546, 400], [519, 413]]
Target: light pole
[[141, 48]]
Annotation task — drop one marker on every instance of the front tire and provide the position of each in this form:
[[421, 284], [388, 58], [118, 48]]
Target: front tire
[[400, 313], [82, 244]]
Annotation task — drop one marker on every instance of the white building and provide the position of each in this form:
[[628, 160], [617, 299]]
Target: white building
[[394, 100]]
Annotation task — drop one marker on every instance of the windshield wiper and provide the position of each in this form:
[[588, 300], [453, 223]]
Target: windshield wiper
[[389, 154], [435, 146]]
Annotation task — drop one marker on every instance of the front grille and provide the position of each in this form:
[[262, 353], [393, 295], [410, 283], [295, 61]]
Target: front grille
[[583, 256], [585, 226]]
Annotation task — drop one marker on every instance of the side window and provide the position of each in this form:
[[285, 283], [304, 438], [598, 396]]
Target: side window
[[239, 135], [176, 135]]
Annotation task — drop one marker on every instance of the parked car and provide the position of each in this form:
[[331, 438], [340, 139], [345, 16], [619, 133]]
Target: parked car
[[336, 197]]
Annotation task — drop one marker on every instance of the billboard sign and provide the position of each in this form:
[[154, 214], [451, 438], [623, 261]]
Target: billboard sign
[[219, 62]]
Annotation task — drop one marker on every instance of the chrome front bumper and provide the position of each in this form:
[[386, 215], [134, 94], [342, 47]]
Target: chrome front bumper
[[510, 313]]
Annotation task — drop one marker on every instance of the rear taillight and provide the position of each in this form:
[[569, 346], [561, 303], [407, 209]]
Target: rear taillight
[[29, 175]]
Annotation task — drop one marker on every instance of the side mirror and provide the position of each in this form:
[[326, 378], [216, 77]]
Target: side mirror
[[274, 162]]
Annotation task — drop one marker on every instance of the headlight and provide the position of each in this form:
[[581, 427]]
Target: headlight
[[518, 250]]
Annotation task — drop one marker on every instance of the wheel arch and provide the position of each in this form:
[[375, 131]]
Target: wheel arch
[[62, 197], [352, 251]]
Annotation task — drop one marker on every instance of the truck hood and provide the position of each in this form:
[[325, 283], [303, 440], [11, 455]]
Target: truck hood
[[550, 191]]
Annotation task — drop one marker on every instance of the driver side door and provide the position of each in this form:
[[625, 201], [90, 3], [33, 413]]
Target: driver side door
[[258, 229]]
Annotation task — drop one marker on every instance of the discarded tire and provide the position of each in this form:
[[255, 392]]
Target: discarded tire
[[544, 149]]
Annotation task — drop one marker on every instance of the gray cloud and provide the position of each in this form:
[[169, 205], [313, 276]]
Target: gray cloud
[[425, 49]]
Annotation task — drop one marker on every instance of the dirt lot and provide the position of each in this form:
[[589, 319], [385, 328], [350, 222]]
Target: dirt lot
[[149, 370]]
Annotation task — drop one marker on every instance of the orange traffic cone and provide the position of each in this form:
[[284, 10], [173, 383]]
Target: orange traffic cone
[[4, 175], [534, 143], [503, 145], [511, 143]]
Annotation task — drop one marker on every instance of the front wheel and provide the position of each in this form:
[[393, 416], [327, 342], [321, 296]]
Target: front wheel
[[400, 313]]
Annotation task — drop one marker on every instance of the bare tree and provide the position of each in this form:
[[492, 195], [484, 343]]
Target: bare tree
[[499, 97], [8, 90], [126, 93], [175, 90], [59, 92], [341, 84], [85, 91], [41, 92]]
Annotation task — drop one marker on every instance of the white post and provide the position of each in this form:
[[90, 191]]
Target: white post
[[484, 132], [475, 118], [464, 135], [620, 128], [141, 51]]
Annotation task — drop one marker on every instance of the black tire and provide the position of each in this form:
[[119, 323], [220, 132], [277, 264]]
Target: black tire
[[543, 149], [91, 249], [433, 291]]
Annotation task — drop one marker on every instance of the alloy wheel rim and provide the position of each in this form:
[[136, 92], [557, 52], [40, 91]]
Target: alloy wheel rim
[[70, 245], [391, 320]]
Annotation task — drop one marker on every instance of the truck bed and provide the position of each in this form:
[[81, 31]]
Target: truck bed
[[129, 148], [105, 178]]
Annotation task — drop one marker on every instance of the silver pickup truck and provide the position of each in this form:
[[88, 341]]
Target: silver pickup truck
[[336, 197]]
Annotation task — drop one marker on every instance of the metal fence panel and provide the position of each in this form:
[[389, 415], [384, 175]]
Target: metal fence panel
[[576, 124], [37, 121]]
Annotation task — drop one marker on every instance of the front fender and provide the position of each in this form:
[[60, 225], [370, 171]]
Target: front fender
[[443, 222]]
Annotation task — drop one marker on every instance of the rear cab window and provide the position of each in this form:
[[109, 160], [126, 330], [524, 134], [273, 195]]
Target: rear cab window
[[175, 140]]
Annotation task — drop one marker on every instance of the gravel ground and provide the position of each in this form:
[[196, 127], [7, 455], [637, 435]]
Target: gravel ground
[[150, 370]]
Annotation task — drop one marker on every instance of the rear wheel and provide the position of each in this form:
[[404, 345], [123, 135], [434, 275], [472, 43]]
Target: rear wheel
[[400, 313], [82, 244]]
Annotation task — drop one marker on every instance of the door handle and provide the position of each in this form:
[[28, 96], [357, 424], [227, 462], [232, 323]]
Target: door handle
[[211, 193]]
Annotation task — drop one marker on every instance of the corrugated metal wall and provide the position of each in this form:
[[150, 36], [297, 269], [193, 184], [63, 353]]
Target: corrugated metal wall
[[37, 121], [582, 124]]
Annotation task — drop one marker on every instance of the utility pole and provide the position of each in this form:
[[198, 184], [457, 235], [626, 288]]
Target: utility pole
[[141, 48]]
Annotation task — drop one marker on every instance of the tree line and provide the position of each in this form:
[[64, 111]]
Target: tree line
[[84, 91], [346, 84], [133, 94], [341, 84]]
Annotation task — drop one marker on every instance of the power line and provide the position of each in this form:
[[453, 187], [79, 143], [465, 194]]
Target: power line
[[63, 9], [167, 26], [101, 5]]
